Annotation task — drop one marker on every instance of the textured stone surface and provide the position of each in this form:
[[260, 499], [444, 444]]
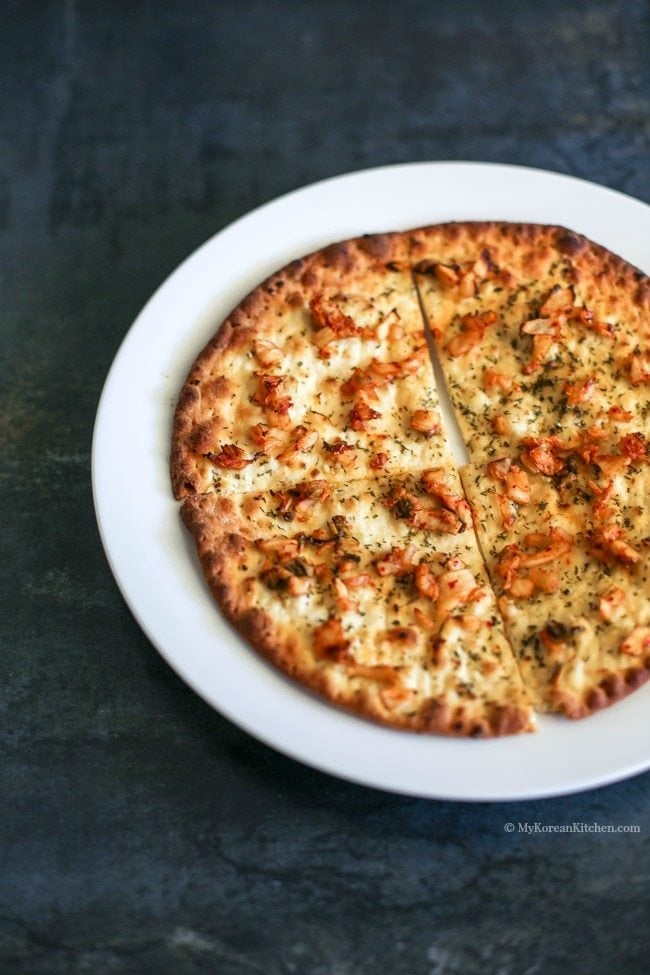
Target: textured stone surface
[[139, 831]]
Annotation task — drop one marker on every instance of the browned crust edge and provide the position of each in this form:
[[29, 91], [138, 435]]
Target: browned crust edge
[[218, 562], [612, 688], [564, 240]]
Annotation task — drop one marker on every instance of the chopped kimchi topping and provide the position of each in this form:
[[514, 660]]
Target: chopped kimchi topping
[[425, 581], [602, 510], [637, 642], [557, 636], [539, 455], [542, 345], [467, 277], [342, 597], [634, 446], [379, 460], [493, 379], [472, 330], [520, 569], [611, 464], [267, 353], [360, 415], [580, 392], [426, 421], [619, 415], [343, 453], [283, 548], [612, 604], [265, 437], [546, 580], [639, 368], [606, 543], [231, 457], [304, 440], [268, 396], [297, 501], [398, 562], [330, 642], [514, 479], [457, 588], [326, 313]]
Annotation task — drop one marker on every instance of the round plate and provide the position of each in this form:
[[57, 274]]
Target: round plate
[[152, 555]]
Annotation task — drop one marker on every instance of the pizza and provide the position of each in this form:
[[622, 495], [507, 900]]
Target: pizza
[[331, 521]]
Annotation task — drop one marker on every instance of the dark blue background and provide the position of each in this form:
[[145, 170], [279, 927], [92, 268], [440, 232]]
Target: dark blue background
[[139, 831]]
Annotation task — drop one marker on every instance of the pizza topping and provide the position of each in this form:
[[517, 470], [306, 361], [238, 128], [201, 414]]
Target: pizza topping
[[602, 510], [304, 440], [406, 636], [612, 604], [398, 562], [457, 588], [265, 437], [493, 379], [293, 578], [231, 457], [436, 484], [360, 382], [343, 453], [466, 277], [472, 330], [639, 368], [514, 479], [267, 353], [545, 580], [326, 313], [539, 455], [557, 636], [520, 569], [360, 415], [425, 581], [619, 415], [297, 501], [380, 373], [270, 399], [637, 642], [283, 548], [377, 461], [426, 421], [559, 301], [331, 324], [579, 393], [342, 597], [548, 548], [606, 543], [635, 446], [330, 642]]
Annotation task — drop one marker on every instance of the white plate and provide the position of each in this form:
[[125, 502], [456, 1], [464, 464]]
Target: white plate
[[150, 552]]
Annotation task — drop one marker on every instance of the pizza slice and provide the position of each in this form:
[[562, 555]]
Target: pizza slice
[[372, 593], [323, 371], [540, 332], [568, 556]]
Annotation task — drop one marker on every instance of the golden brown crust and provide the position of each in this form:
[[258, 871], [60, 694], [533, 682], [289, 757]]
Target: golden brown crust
[[479, 283]]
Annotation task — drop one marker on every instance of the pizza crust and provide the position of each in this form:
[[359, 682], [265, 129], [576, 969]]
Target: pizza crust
[[316, 399]]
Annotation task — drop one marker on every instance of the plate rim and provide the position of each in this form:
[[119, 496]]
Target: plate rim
[[105, 529]]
